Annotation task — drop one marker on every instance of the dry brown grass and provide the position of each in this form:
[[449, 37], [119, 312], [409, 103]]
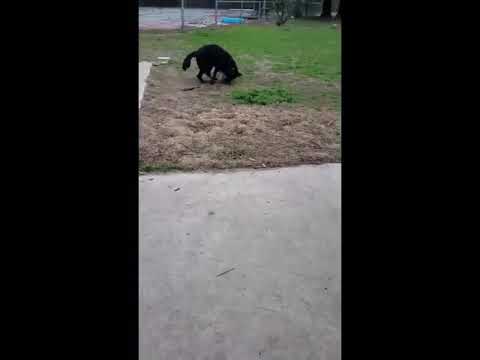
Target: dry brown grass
[[202, 129]]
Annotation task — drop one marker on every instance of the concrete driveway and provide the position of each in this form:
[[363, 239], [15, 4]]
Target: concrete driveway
[[275, 236]]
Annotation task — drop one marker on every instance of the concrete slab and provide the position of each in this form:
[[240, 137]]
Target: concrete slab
[[278, 229], [143, 72]]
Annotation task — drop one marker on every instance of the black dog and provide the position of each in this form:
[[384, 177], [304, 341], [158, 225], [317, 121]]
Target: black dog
[[213, 56]]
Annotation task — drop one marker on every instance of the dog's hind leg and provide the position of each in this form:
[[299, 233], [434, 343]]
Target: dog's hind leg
[[199, 76]]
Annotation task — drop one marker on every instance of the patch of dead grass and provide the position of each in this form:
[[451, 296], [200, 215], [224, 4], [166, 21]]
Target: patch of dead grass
[[201, 129]]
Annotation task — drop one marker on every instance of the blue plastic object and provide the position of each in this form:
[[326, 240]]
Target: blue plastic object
[[230, 20]]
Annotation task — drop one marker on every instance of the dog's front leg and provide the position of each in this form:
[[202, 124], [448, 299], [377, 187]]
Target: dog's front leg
[[214, 77]]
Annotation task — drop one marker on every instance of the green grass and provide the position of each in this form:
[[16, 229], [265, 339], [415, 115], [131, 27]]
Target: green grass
[[302, 57], [266, 96], [309, 48]]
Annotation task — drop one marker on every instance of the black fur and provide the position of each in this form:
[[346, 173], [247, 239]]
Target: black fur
[[213, 56]]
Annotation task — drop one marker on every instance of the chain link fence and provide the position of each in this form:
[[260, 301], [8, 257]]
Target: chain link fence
[[250, 10], [174, 16], [180, 14]]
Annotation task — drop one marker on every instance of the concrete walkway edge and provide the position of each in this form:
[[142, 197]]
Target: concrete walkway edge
[[143, 72]]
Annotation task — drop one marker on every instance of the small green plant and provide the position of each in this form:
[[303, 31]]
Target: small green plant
[[263, 96]]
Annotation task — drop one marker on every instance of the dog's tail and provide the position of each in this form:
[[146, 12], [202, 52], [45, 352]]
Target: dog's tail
[[186, 62]]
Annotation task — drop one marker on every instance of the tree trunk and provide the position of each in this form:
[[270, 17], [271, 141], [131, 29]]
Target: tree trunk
[[297, 9], [327, 9], [282, 10]]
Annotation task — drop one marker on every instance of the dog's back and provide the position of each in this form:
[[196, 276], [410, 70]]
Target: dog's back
[[213, 56]]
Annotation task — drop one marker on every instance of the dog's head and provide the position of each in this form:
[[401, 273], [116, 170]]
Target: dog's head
[[232, 73]]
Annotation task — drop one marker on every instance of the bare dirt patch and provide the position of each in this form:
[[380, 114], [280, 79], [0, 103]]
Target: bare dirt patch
[[202, 129]]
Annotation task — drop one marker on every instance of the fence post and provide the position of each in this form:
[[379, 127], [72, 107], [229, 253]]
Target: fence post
[[264, 10], [183, 16], [216, 9]]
